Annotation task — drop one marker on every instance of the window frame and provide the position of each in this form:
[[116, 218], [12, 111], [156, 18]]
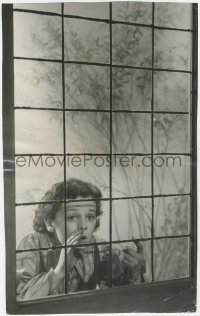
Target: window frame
[[166, 296]]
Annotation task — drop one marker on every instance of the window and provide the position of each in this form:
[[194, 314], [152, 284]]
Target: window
[[105, 94]]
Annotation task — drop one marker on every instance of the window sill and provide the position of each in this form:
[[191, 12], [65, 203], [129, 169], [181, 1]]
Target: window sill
[[169, 296]]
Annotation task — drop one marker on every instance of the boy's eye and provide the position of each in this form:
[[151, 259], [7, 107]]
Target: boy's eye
[[90, 217], [72, 218]]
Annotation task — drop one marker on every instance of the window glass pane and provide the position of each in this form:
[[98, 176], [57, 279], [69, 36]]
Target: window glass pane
[[172, 91], [38, 132], [37, 36], [171, 258], [123, 258], [171, 174], [131, 89], [24, 214], [87, 87], [48, 7], [38, 84], [92, 10], [93, 169], [171, 133], [131, 133], [136, 12], [178, 15], [132, 45], [43, 171], [131, 219], [86, 41], [131, 176], [171, 215], [87, 132], [172, 50]]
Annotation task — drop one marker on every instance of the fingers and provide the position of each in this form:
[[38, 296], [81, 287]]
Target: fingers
[[139, 246], [72, 243], [130, 254], [133, 254], [76, 234], [74, 238], [129, 264], [129, 259], [70, 238]]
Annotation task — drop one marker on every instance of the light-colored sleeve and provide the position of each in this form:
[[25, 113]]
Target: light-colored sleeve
[[32, 281]]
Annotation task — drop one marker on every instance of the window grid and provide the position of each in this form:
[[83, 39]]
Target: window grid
[[98, 111], [101, 20], [64, 109], [108, 199], [193, 174], [110, 174], [106, 243], [64, 144], [104, 64], [152, 151], [97, 154]]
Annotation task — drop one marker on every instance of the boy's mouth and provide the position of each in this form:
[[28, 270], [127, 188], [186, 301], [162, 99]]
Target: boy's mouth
[[83, 238]]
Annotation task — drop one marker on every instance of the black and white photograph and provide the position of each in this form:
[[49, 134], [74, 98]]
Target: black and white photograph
[[100, 156]]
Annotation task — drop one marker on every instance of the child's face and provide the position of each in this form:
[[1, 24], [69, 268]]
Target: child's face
[[79, 215]]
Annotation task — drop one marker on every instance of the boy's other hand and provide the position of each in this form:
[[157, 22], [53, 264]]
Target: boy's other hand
[[134, 261]]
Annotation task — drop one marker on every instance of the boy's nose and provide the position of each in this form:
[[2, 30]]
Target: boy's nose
[[82, 224]]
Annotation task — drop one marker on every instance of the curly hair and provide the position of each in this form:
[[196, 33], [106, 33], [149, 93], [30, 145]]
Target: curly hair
[[75, 188]]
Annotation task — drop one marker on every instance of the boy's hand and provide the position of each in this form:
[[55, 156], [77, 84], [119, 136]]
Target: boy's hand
[[73, 239], [134, 261]]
